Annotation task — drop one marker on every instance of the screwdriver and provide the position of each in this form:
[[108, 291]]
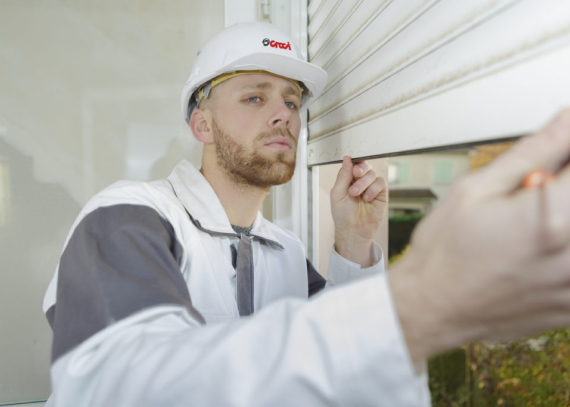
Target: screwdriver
[[539, 178]]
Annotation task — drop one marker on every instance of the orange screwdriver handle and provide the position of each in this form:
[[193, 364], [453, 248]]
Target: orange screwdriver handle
[[538, 178]]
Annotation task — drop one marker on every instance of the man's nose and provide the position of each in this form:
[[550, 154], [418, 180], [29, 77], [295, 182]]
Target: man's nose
[[281, 116]]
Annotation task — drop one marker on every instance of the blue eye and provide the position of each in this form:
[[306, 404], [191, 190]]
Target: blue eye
[[291, 105], [253, 97]]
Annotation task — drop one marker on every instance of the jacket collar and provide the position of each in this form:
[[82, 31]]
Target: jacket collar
[[205, 209]]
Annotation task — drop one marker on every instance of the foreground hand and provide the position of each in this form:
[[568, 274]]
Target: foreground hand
[[492, 261], [358, 201]]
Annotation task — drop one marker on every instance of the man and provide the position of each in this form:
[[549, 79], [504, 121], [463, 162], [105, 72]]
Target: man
[[196, 244], [150, 291]]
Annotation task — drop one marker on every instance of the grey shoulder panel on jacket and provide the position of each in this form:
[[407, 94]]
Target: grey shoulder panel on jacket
[[119, 260]]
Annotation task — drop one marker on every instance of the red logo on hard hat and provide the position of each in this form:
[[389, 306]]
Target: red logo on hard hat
[[275, 44]]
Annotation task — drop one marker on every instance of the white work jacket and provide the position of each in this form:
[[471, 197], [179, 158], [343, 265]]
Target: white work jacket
[[144, 312]]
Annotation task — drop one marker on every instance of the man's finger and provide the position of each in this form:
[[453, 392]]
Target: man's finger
[[360, 168], [363, 183], [343, 180], [548, 148], [377, 191]]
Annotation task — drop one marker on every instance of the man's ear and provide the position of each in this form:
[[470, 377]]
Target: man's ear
[[200, 128]]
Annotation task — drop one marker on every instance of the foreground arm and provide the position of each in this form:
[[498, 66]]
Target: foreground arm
[[492, 261]]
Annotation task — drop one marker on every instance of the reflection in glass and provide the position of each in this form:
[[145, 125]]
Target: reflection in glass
[[89, 95]]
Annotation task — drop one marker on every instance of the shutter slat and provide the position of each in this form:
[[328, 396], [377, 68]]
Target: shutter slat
[[333, 25], [426, 34], [323, 17], [313, 7], [357, 22], [446, 49], [385, 25]]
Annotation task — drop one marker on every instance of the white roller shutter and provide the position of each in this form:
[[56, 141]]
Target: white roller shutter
[[409, 75]]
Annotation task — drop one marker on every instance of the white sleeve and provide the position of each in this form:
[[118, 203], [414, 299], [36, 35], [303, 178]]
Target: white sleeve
[[342, 270], [343, 348]]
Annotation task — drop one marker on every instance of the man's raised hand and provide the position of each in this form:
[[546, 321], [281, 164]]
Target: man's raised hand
[[358, 200]]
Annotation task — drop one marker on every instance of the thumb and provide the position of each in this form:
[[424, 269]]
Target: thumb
[[343, 180]]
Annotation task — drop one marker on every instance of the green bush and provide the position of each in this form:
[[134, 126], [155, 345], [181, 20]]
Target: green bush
[[400, 231], [447, 379], [529, 372]]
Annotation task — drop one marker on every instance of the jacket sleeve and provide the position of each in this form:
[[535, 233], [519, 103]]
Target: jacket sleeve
[[126, 333], [342, 270]]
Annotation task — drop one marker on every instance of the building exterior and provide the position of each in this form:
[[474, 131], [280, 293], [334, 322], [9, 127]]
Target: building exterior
[[416, 182]]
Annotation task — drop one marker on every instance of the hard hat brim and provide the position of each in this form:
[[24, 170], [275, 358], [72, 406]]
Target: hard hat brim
[[313, 77]]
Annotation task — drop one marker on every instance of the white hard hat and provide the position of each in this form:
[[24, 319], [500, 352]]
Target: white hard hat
[[252, 46]]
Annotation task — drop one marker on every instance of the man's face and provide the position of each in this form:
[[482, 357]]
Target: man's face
[[256, 126]]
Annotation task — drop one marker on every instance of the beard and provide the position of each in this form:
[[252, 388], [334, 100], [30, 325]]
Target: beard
[[248, 167]]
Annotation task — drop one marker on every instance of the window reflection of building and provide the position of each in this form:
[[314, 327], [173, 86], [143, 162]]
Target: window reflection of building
[[101, 108], [393, 174], [398, 173], [418, 181], [443, 172]]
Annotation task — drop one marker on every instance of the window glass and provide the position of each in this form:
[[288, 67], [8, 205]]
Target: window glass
[[89, 95]]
